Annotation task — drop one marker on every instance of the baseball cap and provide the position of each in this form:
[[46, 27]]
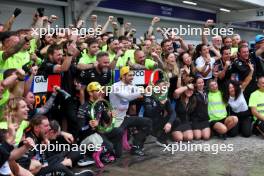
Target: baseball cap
[[259, 38], [93, 86], [124, 70]]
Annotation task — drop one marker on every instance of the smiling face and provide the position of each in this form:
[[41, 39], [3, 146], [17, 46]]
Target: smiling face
[[187, 59], [231, 90], [226, 56], [204, 51], [171, 59], [93, 48], [228, 42], [22, 111], [104, 64], [140, 57], [200, 84], [42, 129], [114, 46], [168, 47], [128, 78], [213, 86], [244, 53], [217, 41]]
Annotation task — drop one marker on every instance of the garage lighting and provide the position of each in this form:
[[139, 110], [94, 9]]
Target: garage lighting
[[224, 10], [189, 2]]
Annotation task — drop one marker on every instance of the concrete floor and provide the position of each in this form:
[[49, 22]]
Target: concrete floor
[[246, 159]]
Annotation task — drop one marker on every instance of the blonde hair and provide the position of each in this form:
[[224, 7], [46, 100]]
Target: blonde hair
[[12, 107], [175, 70]]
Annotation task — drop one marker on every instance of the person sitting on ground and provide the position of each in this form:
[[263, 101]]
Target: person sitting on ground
[[220, 122]]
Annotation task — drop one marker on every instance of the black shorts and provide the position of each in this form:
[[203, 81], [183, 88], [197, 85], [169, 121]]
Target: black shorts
[[182, 126], [200, 125], [212, 123]]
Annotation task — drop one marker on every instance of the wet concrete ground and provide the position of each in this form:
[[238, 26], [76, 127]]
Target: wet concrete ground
[[246, 159]]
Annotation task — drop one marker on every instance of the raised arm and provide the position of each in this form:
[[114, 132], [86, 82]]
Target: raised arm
[[180, 90], [207, 24], [13, 50], [8, 24], [151, 27], [248, 78], [109, 20], [121, 31]]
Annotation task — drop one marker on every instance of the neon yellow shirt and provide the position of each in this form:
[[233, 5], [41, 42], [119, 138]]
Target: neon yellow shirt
[[23, 56], [3, 101], [149, 64], [104, 48], [216, 106], [11, 62], [20, 131], [33, 46], [86, 58], [122, 61], [257, 100]]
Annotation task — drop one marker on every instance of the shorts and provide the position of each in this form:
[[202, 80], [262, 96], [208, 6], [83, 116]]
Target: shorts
[[182, 126], [212, 123], [200, 125]]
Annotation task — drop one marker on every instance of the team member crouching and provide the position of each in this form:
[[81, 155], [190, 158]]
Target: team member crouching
[[219, 121], [90, 133], [200, 120], [122, 93], [162, 114], [185, 108]]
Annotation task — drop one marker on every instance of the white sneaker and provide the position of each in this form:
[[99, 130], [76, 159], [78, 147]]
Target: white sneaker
[[85, 162]]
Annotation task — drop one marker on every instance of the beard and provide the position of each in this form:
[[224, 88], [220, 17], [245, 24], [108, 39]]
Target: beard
[[104, 69], [218, 46]]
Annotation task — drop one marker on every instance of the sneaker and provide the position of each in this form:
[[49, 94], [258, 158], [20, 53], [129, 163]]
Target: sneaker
[[223, 136], [162, 142], [135, 150], [85, 162], [85, 173]]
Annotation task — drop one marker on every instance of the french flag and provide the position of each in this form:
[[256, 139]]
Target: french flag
[[141, 77], [41, 84]]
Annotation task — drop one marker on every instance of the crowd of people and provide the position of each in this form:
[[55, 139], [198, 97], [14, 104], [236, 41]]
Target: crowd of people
[[213, 89]]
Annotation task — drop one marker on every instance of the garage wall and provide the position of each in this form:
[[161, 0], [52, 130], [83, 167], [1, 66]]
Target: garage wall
[[142, 24], [24, 20]]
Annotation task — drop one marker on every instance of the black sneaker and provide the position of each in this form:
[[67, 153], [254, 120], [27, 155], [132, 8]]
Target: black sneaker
[[85, 162], [223, 136], [135, 150], [85, 173], [162, 142]]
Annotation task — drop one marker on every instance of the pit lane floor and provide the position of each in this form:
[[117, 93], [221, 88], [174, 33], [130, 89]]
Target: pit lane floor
[[246, 159]]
